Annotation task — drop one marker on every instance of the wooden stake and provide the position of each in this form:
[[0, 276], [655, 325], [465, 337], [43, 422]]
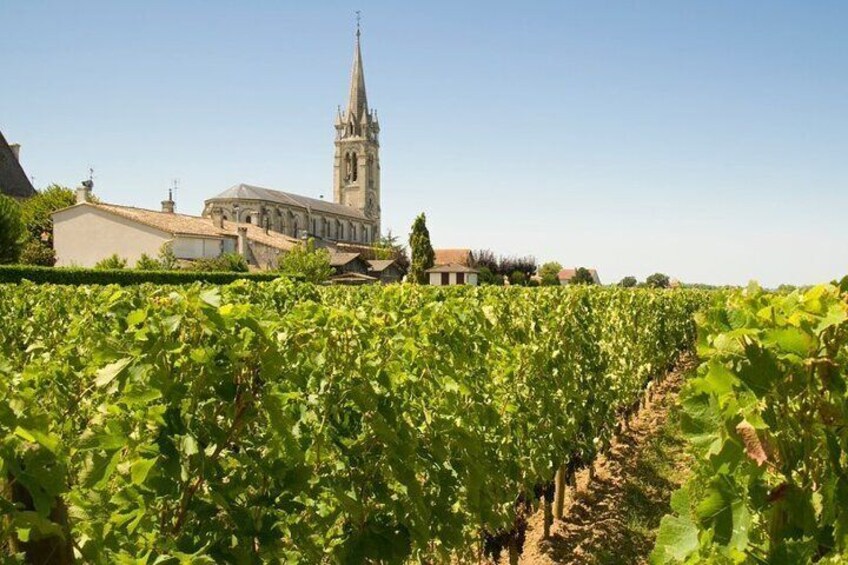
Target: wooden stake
[[559, 492]]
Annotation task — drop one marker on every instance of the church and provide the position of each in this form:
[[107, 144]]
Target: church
[[354, 214]]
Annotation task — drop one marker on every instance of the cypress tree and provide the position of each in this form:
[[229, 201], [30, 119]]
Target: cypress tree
[[422, 250]]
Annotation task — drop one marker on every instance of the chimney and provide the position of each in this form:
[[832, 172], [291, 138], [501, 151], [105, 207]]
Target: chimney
[[169, 205], [218, 218], [16, 150], [84, 191], [242, 241]]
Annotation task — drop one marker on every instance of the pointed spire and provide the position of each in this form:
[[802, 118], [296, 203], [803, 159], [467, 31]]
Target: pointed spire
[[358, 102]]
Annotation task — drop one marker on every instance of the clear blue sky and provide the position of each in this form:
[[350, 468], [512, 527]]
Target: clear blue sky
[[707, 140]]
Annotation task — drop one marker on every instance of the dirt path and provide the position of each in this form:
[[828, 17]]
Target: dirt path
[[613, 519]]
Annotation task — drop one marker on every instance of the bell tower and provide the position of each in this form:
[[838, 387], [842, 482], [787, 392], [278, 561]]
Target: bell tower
[[356, 168]]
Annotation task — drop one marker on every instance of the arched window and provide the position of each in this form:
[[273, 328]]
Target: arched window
[[294, 227], [247, 219]]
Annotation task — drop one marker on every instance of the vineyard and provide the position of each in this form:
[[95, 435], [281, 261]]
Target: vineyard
[[279, 421]]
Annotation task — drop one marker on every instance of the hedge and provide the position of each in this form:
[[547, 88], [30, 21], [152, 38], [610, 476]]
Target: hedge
[[77, 276]]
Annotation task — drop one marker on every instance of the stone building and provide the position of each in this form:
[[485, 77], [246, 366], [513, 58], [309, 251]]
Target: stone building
[[354, 214]]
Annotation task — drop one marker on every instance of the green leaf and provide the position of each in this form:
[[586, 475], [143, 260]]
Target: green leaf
[[108, 373], [139, 470], [677, 539]]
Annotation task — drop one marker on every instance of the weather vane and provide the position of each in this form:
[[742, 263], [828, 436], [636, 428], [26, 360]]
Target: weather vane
[[173, 189]]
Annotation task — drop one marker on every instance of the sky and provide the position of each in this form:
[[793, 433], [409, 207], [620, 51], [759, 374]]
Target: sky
[[705, 140]]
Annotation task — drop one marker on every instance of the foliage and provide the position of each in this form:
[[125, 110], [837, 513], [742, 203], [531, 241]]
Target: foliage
[[282, 422], [549, 273], [167, 259], [36, 211], [582, 276], [123, 277], [148, 263], [502, 266], [34, 252], [113, 262], [628, 282], [226, 262], [766, 420], [312, 264], [390, 247], [422, 250], [658, 280], [518, 278], [11, 230], [487, 277]]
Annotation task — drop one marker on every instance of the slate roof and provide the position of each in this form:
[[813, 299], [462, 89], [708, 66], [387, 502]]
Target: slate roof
[[452, 257], [249, 192], [451, 268], [380, 265], [183, 224], [341, 259], [13, 179]]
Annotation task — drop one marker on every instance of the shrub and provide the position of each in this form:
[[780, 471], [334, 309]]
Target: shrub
[[34, 252], [147, 263], [114, 262], [227, 262], [486, 276], [308, 262], [125, 277], [167, 259], [518, 278]]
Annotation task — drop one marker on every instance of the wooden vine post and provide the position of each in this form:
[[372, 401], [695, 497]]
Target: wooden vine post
[[559, 491]]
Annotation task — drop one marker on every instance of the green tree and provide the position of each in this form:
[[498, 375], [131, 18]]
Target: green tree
[[582, 276], [487, 277], [628, 282], [167, 259], [549, 273], [422, 250], [307, 261], [113, 262], [36, 212], [658, 280], [389, 247], [518, 278], [11, 230], [147, 263], [34, 252]]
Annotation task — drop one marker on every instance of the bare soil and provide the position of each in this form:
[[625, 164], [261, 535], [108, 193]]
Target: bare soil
[[613, 518]]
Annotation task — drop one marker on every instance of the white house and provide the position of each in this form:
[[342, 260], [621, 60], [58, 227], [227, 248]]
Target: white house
[[89, 232], [452, 274]]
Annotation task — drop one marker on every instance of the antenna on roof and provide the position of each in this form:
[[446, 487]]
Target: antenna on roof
[[173, 189]]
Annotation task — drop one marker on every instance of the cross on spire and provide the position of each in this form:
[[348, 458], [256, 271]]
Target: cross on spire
[[358, 20]]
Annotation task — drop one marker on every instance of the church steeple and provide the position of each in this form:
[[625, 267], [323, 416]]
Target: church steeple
[[357, 106], [356, 177]]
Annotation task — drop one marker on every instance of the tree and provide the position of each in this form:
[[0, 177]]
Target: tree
[[422, 250], [486, 276], [518, 278], [147, 263], [549, 273], [305, 260], [167, 259], [658, 280], [11, 230], [628, 282], [389, 247], [37, 211], [582, 276], [113, 262]]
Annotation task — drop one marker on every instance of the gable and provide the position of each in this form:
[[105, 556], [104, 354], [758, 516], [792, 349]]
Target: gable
[[13, 179]]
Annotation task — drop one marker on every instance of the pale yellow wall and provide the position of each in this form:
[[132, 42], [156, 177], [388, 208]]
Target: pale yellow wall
[[84, 235]]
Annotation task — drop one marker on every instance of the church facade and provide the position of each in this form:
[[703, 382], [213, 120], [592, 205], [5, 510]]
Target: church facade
[[354, 214]]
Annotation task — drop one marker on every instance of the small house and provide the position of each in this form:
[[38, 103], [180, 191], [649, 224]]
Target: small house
[[452, 274]]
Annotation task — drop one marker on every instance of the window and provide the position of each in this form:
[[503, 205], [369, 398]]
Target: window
[[460, 278], [445, 279]]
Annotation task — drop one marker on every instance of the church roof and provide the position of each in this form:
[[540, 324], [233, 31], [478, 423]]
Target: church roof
[[13, 179], [249, 192]]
